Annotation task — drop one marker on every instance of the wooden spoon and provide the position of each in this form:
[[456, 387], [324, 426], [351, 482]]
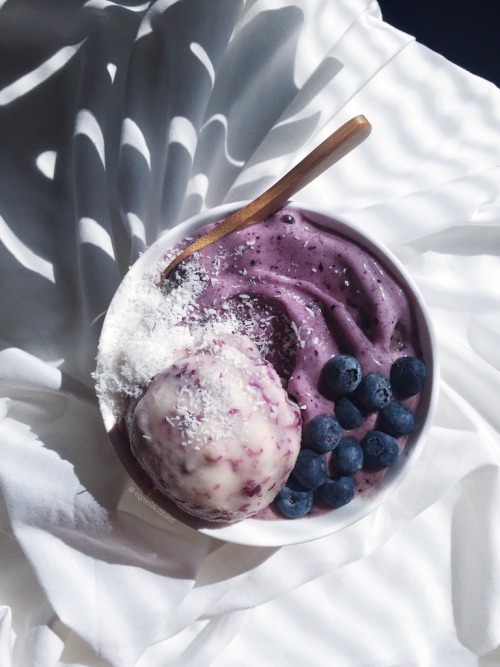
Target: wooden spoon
[[332, 149]]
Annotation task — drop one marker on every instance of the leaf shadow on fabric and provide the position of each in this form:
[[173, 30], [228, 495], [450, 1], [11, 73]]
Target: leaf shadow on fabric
[[165, 97], [204, 102], [205, 111], [59, 231]]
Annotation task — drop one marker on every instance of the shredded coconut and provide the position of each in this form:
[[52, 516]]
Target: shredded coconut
[[148, 329]]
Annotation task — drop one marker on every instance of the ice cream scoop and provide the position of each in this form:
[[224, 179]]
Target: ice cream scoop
[[216, 431]]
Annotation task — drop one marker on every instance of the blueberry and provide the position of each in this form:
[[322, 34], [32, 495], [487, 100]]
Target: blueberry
[[294, 503], [408, 376], [380, 450], [322, 434], [310, 469], [337, 492], [348, 413], [340, 375], [347, 458], [396, 419], [374, 392]]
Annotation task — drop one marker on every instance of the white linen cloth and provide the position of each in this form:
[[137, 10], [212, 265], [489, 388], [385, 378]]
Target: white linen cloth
[[117, 121]]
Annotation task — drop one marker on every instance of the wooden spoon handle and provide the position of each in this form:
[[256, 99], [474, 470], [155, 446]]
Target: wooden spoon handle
[[332, 149]]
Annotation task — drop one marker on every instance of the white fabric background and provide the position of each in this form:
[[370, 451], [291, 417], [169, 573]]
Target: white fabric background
[[117, 121]]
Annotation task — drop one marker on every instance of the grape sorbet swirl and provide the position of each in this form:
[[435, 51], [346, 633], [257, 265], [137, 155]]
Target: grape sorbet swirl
[[218, 372]]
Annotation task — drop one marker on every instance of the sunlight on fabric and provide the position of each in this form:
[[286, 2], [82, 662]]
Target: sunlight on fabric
[[97, 318], [219, 118], [487, 213], [136, 227], [23, 254], [55, 363], [198, 185], [204, 59], [86, 124], [23, 369], [132, 136], [181, 131], [46, 163], [92, 233], [29, 81], [111, 67], [4, 409], [103, 4]]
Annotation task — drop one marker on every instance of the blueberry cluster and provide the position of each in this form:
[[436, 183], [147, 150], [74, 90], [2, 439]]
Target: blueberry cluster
[[355, 397]]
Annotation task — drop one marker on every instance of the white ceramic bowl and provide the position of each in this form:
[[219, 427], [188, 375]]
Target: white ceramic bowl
[[279, 532]]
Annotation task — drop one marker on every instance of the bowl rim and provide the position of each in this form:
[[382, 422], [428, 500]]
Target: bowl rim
[[281, 532]]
